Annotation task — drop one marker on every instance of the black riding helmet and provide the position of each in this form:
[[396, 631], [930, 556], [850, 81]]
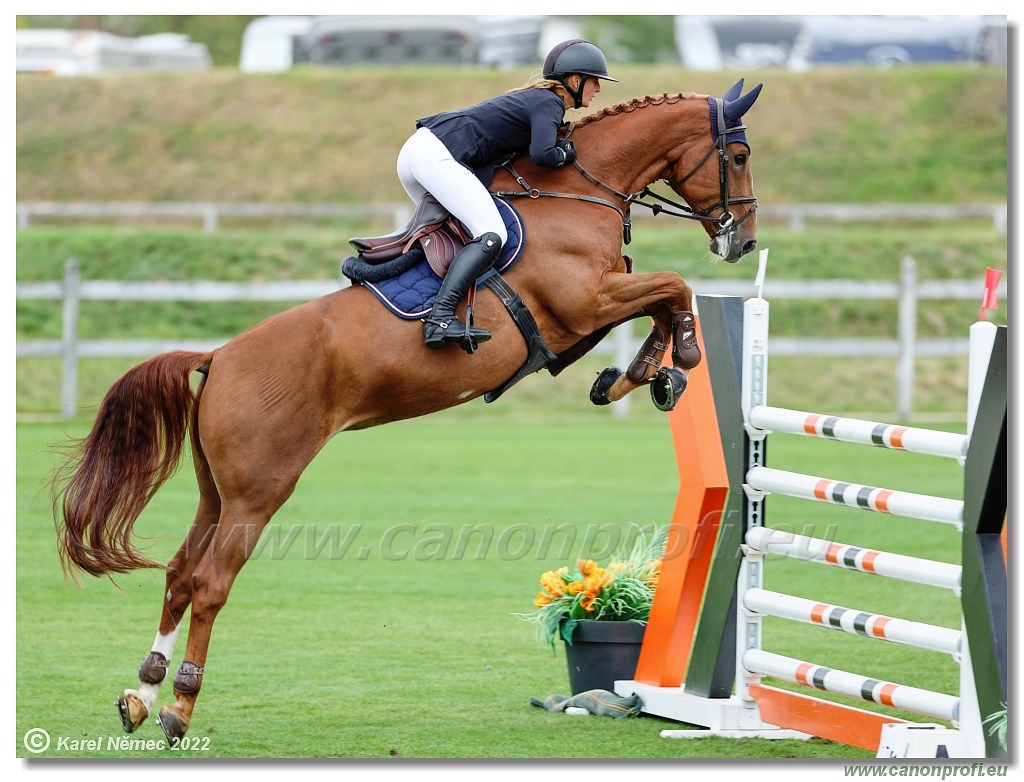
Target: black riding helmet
[[576, 56]]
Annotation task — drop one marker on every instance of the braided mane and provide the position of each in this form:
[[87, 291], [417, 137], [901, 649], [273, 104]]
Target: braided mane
[[637, 103]]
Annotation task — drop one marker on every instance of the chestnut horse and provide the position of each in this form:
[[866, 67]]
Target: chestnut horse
[[271, 398]]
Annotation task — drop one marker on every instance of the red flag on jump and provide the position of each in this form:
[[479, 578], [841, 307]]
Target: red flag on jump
[[990, 301]]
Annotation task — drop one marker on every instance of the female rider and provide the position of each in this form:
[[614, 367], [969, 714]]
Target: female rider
[[451, 156]]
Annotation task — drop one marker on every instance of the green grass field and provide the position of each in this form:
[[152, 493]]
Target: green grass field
[[363, 629]]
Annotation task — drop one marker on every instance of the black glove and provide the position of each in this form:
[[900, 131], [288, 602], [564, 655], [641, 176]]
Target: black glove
[[569, 149]]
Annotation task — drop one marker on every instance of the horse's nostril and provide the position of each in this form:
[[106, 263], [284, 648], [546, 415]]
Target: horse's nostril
[[749, 246]]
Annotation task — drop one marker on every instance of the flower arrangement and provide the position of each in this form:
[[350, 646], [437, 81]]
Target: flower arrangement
[[622, 591]]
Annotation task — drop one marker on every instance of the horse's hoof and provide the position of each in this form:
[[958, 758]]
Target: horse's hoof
[[666, 388], [605, 380], [172, 724], [131, 710]]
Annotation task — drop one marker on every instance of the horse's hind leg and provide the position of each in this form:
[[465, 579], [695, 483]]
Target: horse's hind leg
[[135, 705], [241, 523]]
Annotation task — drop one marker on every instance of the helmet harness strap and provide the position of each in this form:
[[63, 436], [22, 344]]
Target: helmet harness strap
[[577, 94]]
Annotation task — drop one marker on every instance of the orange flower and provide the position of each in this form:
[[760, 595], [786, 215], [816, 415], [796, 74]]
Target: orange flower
[[542, 599], [594, 583], [553, 583]]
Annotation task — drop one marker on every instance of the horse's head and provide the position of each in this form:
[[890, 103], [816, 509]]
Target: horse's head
[[717, 182]]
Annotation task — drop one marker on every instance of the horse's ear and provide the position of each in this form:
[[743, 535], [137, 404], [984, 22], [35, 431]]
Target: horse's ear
[[734, 91], [737, 108]]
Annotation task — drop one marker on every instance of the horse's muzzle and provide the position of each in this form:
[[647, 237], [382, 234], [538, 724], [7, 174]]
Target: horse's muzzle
[[730, 246]]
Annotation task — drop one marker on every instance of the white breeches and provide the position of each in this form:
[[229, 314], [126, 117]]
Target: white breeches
[[426, 166]]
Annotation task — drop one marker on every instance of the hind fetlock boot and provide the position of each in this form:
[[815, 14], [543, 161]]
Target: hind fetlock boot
[[442, 326]]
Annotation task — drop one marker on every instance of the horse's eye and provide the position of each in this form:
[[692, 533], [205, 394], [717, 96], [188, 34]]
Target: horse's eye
[[740, 160]]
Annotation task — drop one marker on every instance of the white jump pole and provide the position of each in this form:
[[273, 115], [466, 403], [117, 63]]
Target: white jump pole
[[853, 621], [820, 677], [864, 560], [853, 430], [856, 495]]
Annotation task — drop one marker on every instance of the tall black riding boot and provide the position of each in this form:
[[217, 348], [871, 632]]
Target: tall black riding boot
[[442, 326]]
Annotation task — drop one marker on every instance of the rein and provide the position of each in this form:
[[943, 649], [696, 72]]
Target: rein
[[533, 192], [726, 221]]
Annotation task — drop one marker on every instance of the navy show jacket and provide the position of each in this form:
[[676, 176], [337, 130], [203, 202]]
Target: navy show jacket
[[523, 121]]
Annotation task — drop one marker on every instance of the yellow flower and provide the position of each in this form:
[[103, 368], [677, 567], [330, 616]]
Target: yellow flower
[[653, 575], [553, 583], [613, 571], [594, 582]]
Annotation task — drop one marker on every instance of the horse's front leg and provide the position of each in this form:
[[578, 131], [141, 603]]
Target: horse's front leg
[[674, 324], [668, 383]]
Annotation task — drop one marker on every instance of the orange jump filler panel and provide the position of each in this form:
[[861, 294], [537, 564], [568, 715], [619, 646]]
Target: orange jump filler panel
[[703, 488]]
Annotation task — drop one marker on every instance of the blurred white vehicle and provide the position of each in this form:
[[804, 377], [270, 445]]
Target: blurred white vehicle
[[91, 52], [274, 43], [277, 43], [740, 42], [887, 41]]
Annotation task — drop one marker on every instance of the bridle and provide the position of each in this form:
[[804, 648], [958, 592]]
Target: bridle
[[726, 221]]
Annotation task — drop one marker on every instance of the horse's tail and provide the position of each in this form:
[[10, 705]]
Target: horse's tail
[[107, 478]]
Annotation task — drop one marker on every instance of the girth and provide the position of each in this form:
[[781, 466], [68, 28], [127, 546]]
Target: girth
[[539, 355]]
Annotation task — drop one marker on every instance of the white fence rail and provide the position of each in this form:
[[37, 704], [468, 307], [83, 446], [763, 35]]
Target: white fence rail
[[622, 344], [211, 213]]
